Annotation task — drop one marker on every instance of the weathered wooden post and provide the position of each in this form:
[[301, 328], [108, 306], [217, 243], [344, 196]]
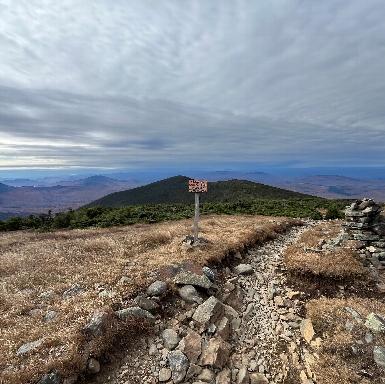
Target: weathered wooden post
[[197, 187]]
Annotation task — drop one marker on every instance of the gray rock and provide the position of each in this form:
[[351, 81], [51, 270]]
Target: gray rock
[[74, 290], [46, 294], [170, 338], [50, 378], [271, 291], [164, 374], [136, 312], [157, 288], [349, 326], [50, 316], [244, 269], [179, 365], [125, 280], [107, 293], [147, 304], [98, 324], [210, 274], [375, 322], [208, 312], [369, 338], [187, 277], [379, 356], [355, 314], [93, 366], [25, 348], [190, 294], [153, 350]]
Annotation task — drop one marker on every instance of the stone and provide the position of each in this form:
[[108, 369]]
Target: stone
[[50, 378], [135, 312], [375, 322], [190, 278], [164, 374], [93, 366], [271, 291], [210, 274], [147, 304], [153, 350], [50, 316], [191, 346], [125, 280], [379, 356], [244, 269], [216, 354], [194, 370], [293, 295], [170, 338], [234, 298], [223, 328], [179, 365], [25, 348], [258, 378], [243, 376], [98, 324], [208, 312], [107, 293], [307, 331], [46, 294], [157, 288], [355, 314], [189, 294], [207, 376], [74, 290], [278, 301]]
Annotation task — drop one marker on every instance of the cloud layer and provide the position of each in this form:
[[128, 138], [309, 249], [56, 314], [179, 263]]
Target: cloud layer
[[123, 84]]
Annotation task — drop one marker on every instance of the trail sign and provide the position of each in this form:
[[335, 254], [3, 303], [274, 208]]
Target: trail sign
[[197, 186]]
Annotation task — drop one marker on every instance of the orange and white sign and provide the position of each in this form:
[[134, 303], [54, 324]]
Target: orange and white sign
[[197, 186]]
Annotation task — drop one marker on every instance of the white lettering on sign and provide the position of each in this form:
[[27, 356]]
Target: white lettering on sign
[[197, 186]]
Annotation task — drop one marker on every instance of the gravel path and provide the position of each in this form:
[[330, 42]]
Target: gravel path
[[266, 340]]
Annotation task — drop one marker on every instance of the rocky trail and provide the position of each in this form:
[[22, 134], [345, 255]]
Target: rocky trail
[[247, 328]]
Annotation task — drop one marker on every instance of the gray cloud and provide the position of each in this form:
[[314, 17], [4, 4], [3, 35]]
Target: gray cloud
[[99, 83]]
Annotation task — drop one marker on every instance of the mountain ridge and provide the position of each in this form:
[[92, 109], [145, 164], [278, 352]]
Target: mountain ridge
[[175, 190]]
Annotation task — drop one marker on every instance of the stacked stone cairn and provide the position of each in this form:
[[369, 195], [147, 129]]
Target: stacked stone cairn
[[365, 230]]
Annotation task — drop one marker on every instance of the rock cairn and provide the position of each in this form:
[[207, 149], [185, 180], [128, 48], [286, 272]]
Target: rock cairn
[[365, 230]]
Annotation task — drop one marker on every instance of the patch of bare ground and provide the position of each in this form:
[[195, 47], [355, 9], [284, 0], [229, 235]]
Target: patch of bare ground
[[334, 281], [37, 268]]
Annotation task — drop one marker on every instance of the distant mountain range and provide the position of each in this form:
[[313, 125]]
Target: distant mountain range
[[175, 190], [26, 196], [25, 200]]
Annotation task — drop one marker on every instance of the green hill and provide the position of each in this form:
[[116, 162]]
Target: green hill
[[175, 190]]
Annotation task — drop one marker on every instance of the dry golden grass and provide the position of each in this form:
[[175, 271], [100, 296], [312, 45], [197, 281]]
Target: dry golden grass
[[337, 362], [33, 263], [341, 263]]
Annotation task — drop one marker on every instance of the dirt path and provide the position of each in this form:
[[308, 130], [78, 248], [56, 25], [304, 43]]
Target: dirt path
[[264, 338]]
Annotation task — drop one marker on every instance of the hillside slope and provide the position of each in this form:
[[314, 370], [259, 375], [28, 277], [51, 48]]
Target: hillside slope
[[175, 190]]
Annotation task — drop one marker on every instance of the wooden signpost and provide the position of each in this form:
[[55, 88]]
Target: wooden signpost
[[197, 187]]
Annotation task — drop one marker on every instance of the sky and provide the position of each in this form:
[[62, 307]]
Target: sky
[[220, 84]]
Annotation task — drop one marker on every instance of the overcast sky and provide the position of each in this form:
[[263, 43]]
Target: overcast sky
[[126, 84]]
